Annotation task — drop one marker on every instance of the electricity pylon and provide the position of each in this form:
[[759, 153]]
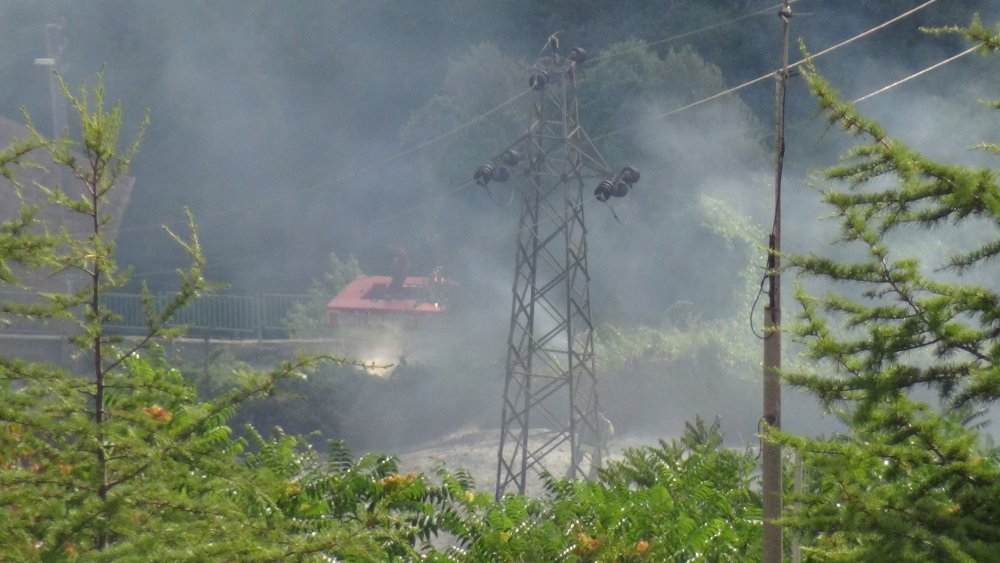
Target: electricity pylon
[[550, 397]]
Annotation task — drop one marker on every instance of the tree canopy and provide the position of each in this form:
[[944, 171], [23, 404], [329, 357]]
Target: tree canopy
[[119, 456], [905, 349]]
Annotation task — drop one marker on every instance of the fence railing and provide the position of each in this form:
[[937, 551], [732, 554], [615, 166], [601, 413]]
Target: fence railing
[[260, 316]]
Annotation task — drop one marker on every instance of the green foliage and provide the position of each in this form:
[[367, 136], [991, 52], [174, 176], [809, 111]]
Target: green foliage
[[629, 78], [481, 79], [908, 484], [689, 499], [125, 458], [19, 243], [688, 352], [906, 345], [309, 318], [122, 458]]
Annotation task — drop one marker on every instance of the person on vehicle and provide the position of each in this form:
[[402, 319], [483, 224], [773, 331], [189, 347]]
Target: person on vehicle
[[400, 268]]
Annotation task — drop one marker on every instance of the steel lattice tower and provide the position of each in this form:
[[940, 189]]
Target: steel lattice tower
[[550, 397]]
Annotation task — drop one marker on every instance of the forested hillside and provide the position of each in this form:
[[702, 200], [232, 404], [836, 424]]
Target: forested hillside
[[279, 118], [286, 147]]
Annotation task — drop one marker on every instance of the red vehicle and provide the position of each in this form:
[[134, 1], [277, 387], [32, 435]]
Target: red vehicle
[[408, 299]]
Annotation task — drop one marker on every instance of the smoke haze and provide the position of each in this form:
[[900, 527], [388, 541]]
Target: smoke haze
[[293, 130]]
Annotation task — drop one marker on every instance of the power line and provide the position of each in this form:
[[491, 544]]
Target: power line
[[354, 173], [917, 74], [257, 255], [864, 34], [490, 239], [587, 203], [451, 132], [693, 32], [684, 108], [513, 99], [771, 74]]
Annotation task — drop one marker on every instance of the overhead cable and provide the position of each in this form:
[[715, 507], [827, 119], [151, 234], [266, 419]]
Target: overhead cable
[[771, 74], [355, 172], [937, 65], [675, 111], [686, 34]]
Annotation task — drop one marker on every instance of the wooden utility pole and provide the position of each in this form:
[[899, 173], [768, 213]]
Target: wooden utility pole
[[771, 453]]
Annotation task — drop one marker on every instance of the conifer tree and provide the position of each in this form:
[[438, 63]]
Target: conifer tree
[[121, 460], [906, 345]]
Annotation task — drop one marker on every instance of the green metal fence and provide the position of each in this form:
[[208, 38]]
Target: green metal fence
[[217, 316], [233, 316]]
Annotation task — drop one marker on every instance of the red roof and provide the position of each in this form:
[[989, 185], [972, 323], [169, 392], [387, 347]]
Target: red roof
[[370, 294]]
